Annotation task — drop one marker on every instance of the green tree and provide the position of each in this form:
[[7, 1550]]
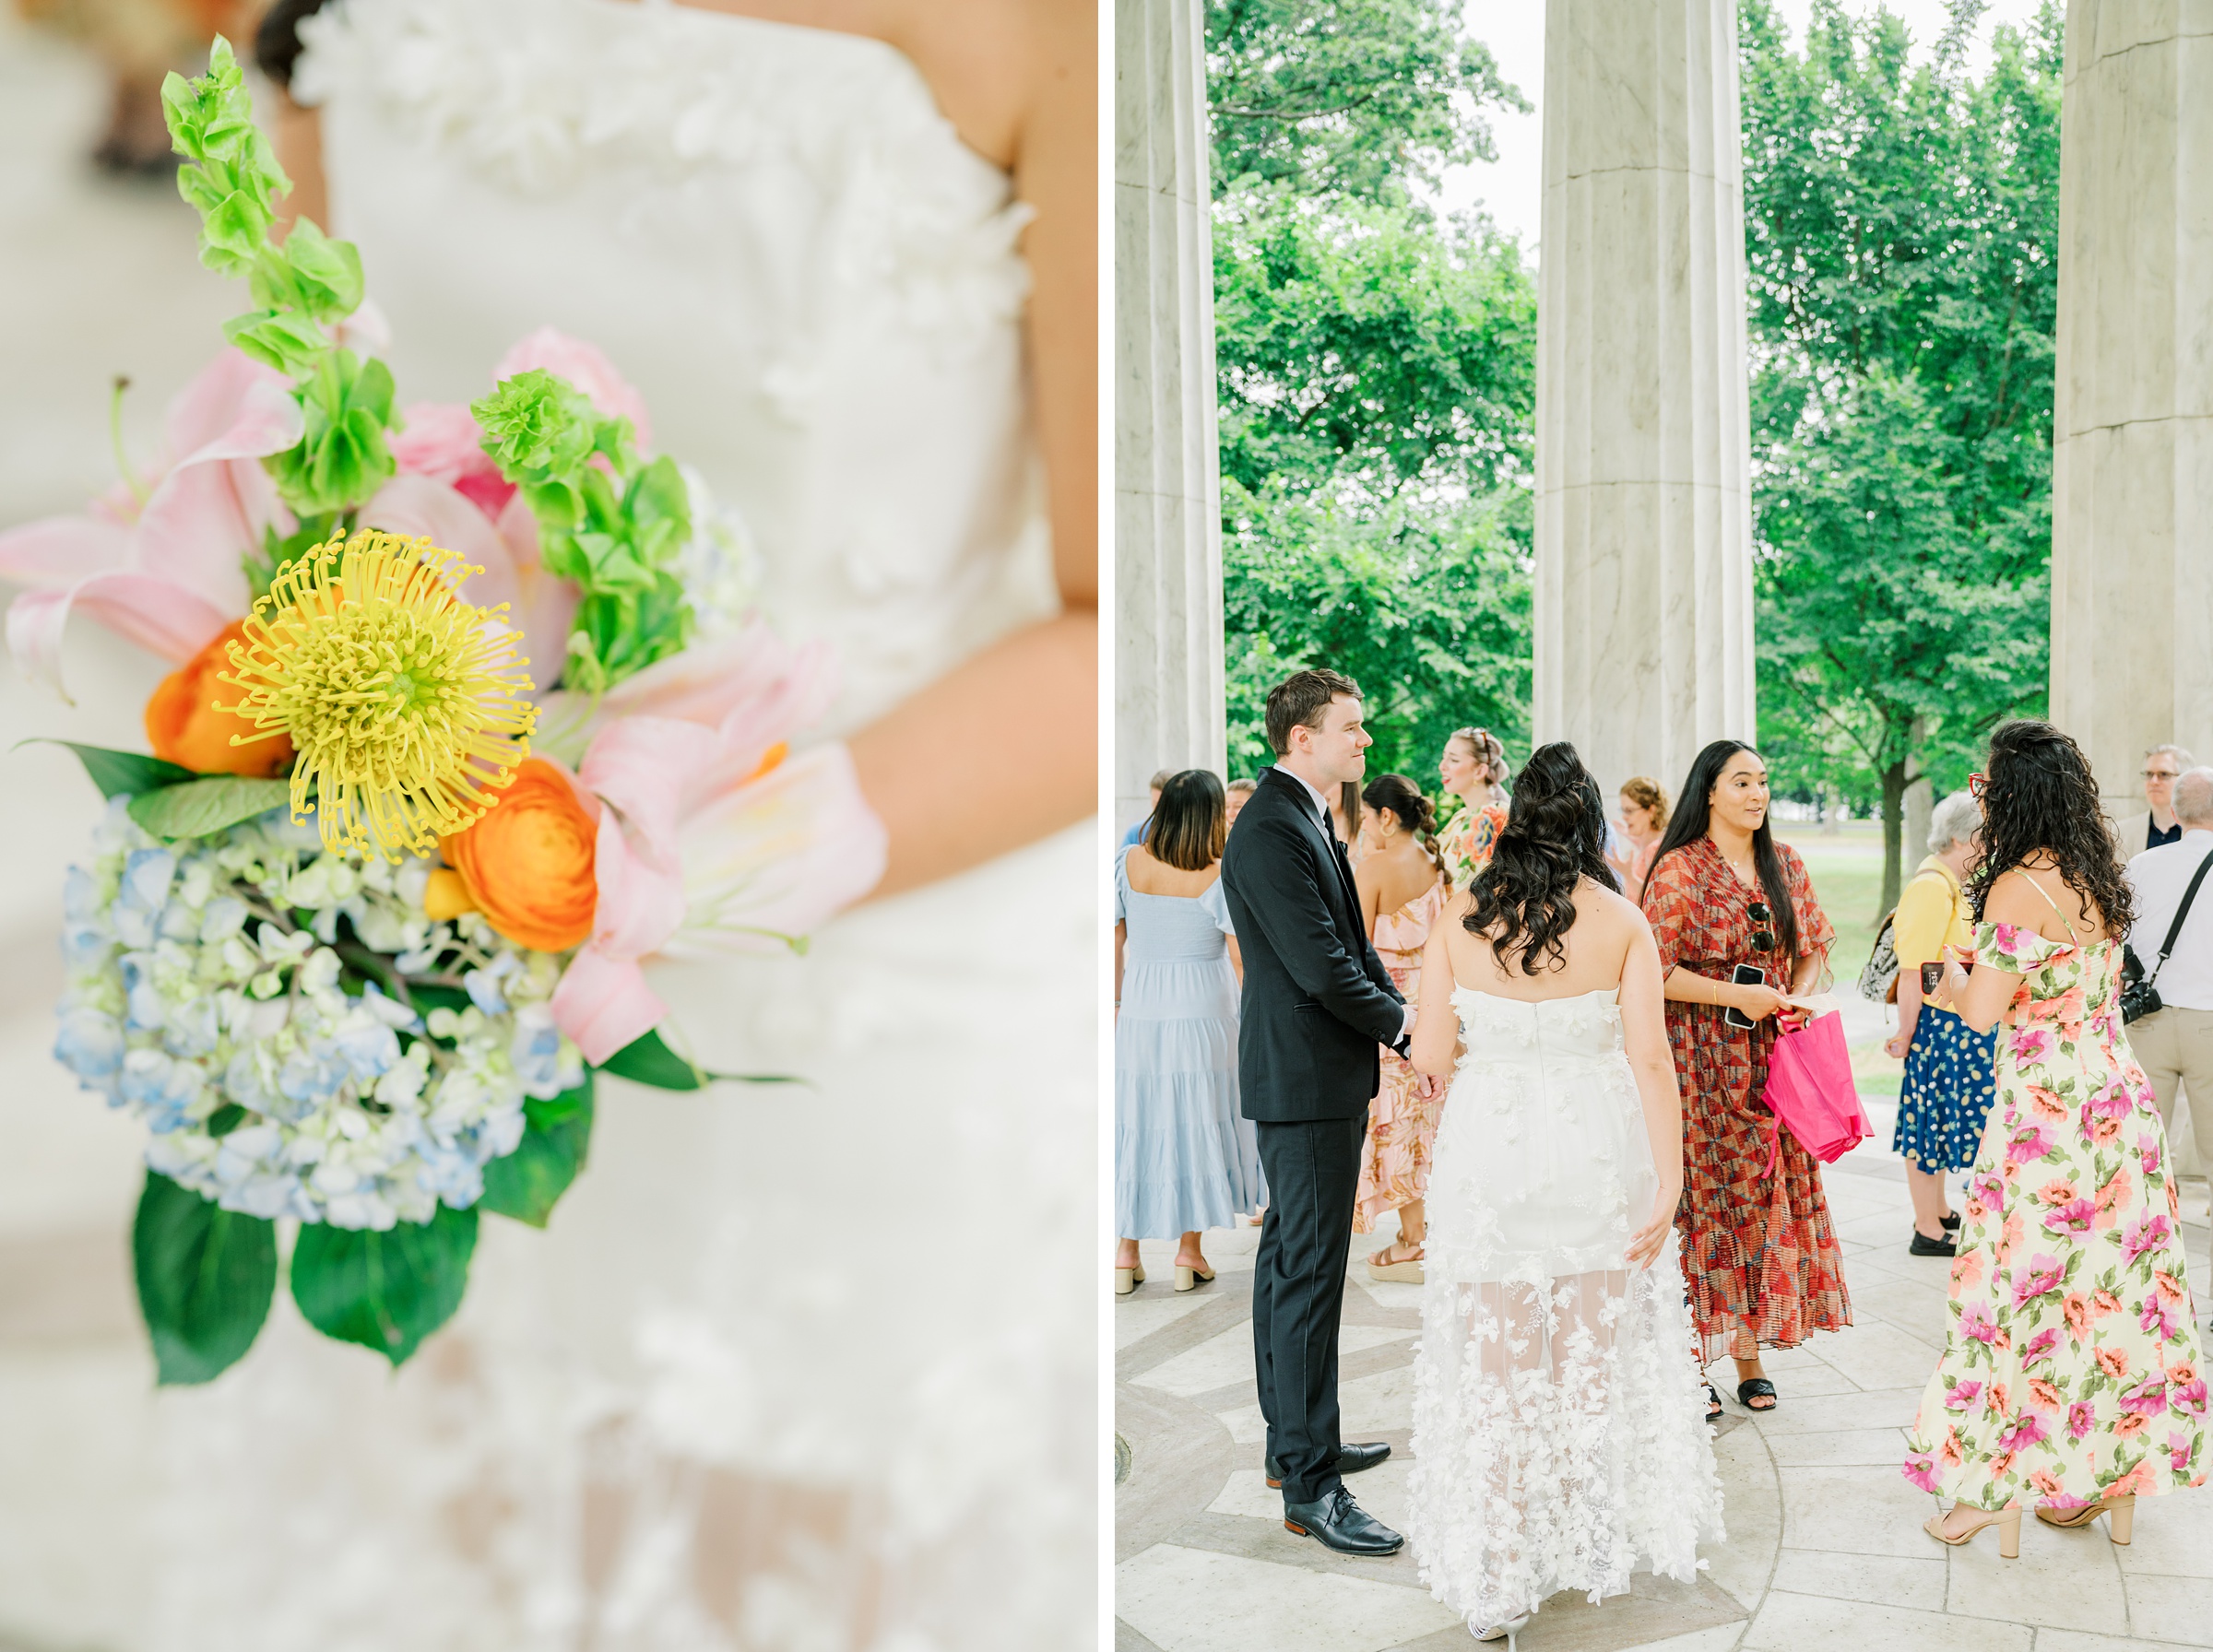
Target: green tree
[[1901, 249], [1377, 371], [1377, 388], [1346, 97]]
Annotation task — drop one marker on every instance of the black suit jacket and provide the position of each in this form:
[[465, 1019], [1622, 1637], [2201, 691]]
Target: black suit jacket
[[1317, 1001]]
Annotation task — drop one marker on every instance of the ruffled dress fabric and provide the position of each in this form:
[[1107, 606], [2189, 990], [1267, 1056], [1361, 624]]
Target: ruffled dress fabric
[[1402, 1126], [1760, 1250], [1560, 1432], [1183, 1159], [1945, 1098], [2072, 1368]]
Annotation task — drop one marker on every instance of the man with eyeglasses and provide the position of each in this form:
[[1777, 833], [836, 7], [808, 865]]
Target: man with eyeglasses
[[2157, 825]]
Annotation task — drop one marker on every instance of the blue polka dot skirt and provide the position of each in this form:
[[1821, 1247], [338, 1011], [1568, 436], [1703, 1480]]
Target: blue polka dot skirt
[[1949, 1084]]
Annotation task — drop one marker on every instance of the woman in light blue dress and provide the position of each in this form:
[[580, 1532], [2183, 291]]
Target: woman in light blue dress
[[1184, 1161]]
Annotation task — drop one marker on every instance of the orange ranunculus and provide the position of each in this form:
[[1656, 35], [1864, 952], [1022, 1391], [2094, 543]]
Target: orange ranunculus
[[184, 726], [527, 865]]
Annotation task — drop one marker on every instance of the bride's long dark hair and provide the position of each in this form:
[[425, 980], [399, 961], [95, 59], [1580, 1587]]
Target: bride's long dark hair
[[1554, 837]]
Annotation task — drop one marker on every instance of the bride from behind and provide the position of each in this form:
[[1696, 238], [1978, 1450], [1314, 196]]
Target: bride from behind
[[1558, 1436]]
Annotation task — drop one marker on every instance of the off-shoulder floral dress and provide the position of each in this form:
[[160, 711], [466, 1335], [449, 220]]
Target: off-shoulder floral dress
[[2071, 1369]]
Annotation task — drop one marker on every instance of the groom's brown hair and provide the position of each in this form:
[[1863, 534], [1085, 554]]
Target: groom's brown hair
[[1299, 700]]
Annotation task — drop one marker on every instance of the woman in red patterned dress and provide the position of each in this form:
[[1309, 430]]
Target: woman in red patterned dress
[[1760, 1251]]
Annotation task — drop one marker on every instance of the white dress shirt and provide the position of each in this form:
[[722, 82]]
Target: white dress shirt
[[2159, 876], [1321, 808]]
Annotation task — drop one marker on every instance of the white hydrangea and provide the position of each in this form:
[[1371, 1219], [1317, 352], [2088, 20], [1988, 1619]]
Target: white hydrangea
[[210, 971]]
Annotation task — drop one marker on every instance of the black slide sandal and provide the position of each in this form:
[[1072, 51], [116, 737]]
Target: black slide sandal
[[1753, 1388], [1713, 1404]]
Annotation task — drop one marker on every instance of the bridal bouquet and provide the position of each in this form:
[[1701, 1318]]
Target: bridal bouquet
[[468, 719]]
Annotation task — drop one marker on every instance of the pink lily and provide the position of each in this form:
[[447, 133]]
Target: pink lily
[[708, 846], [539, 605], [168, 574]]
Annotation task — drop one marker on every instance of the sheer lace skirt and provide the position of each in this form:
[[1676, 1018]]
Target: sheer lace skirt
[[1559, 1431]]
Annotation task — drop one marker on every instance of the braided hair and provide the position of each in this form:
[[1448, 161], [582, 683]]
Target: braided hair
[[2041, 797], [1414, 811], [1554, 837]]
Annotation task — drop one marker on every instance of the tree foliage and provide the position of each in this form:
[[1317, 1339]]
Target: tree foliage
[[1901, 246], [1346, 97], [1377, 374]]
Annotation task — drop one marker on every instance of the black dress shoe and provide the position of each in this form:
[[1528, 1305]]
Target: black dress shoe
[[1339, 1523], [1923, 1245], [1350, 1459]]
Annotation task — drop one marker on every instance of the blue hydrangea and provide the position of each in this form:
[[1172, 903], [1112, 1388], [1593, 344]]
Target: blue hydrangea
[[205, 992]]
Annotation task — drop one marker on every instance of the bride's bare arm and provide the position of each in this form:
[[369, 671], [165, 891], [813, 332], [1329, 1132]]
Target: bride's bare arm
[[1003, 750], [1644, 1041]]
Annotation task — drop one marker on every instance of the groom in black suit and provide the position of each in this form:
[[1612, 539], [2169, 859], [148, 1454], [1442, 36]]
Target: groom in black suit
[[1316, 1004]]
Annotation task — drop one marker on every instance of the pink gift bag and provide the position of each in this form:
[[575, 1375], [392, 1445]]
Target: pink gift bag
[[1810, 1092]]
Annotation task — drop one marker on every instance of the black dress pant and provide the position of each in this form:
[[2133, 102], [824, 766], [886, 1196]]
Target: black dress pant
[[1313, 1168]]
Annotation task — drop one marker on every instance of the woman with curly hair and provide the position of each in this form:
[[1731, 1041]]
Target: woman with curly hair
[[1556, 1437], [1738, 929], [2071, 1376]]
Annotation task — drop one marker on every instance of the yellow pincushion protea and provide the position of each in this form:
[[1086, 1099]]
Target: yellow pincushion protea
[[409, 707]]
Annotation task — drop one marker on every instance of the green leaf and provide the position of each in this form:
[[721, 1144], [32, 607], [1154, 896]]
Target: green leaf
[[205, 1277], [527, 1183], [386, 1290], [202, 808], [648, 1060], [225, 1119], [121, 774]]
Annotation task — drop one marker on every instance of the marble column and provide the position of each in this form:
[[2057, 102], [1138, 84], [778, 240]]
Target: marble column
[[2132, 459], [1643, 598], [1168, 670]]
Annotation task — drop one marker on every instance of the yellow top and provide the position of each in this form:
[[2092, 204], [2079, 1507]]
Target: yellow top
[[1931, 913]]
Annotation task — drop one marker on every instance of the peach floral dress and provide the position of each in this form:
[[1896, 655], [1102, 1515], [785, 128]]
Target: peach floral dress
[[1402, 1128]]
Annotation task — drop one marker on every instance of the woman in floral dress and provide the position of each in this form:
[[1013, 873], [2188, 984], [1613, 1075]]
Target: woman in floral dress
[[1473, 770], [1402, 888], [2071, 1377], [1759, 1249]]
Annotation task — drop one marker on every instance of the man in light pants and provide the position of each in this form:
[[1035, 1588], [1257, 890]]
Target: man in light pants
[[2175, 1044]]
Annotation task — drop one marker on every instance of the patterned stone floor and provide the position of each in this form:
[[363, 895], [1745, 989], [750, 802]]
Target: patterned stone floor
[[1824, 1549]]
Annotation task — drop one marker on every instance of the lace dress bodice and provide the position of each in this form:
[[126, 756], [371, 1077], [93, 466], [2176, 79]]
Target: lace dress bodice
[[772, 233]]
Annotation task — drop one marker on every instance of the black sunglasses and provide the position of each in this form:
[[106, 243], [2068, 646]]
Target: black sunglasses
[[1763, 940]]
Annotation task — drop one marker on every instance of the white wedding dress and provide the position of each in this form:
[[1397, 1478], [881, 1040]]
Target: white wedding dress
[[1559, 1420], [793, 1370]]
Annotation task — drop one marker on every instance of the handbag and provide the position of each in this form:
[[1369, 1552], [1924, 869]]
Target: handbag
[[2140, 995], [1811, 1093], [1879, 975]]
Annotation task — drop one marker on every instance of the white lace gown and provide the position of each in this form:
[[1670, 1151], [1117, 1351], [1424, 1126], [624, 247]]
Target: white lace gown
[[793, 1370], [1560, 1422]]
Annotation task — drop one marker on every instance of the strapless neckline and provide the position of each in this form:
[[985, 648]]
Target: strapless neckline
[[1609, 993]]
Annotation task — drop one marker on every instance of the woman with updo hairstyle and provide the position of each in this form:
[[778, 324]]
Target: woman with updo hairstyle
[[1185, 1159], [1643, 824], [1403, 886], [2072, 1379], [1472, 770]]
